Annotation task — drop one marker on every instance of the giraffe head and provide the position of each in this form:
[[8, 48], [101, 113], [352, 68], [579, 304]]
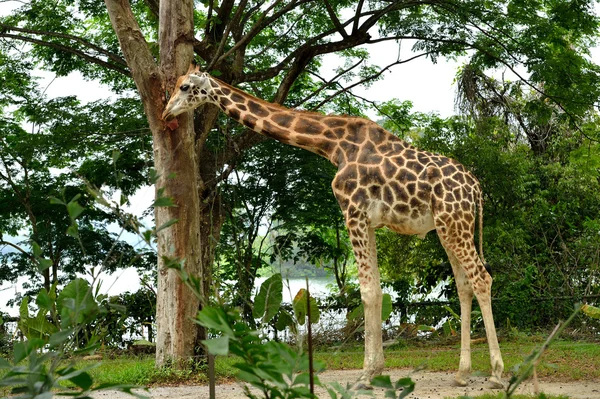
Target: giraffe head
[[191, 91]]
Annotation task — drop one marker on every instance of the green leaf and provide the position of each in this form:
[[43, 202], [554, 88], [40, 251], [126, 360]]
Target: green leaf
[[4, 364], [382, 381], [43, 264], [452, 312], [386, 307], [357, 313], [24, 308], [37, 251], [591, 311], [300, 307], [22, 349], [60, 337], [164, 201], [167, 224], [116, 154], [408, 386], [73, 231], [217, 346], [75, 302], [74, 209], [214, 318], [43, 300], [83, 380], [302, 379], [268, 300], [284, 320], [56, 201]]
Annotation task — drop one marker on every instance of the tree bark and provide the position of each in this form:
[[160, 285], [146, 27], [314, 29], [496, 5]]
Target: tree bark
[[176, 163], [174, 152]]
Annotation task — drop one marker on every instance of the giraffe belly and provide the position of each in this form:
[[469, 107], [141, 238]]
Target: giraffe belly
[[419, 227], [380, 215]]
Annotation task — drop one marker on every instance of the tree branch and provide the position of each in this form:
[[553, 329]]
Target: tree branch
[[234, 21], [326, 83], [335, 20], [67, 49], [146, 75], [112, 56], [357, 15], [261, 24], [367, 79]]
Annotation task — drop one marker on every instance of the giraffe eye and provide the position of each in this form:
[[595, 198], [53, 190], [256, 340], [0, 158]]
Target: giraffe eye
[[184, 87]]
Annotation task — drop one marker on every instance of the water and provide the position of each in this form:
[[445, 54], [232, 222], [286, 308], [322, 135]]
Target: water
[[317, 286]]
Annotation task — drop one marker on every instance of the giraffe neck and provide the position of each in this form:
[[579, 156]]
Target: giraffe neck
[[306, 130]]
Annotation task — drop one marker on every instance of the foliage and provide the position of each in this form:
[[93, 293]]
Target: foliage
[[386, 309], [38, 367], [50, 161], [272, 367], [70, 322], [128, 314], [591, 311], [268, 299]]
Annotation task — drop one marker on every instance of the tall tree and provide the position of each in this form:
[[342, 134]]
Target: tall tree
[[46, 161], [274, 50]]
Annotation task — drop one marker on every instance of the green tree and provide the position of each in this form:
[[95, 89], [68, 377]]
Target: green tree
[[50, 160]]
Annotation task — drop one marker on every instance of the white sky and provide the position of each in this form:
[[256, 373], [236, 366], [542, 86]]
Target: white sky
[[429, 86]]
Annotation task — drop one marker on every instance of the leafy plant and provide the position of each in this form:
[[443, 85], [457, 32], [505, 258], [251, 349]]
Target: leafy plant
[[38, 368], [386, 309]]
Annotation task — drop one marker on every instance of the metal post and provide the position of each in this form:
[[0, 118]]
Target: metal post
[[211, 376]]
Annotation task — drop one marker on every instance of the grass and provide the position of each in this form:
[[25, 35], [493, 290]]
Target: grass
[[141, 371], [563, 361]]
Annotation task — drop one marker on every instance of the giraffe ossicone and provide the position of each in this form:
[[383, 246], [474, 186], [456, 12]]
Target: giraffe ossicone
[[382, 181]]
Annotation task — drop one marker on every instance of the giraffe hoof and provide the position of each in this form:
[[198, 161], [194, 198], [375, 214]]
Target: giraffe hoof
[[460, 381], [362, 386], [495, 383]]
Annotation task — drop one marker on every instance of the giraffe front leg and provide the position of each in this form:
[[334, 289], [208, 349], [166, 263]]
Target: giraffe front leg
[[364, 246], [465, 295], [371, 297]]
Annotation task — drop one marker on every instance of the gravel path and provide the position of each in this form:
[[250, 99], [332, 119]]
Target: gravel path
[[429, 385]]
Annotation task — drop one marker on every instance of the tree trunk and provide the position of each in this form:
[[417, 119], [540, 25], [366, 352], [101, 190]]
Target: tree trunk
[[176, 163], [175, 160]]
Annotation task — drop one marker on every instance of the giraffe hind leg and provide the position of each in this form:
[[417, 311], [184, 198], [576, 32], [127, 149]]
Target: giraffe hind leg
[[469, 269]]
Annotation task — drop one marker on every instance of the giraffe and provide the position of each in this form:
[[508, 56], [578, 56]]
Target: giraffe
[[381, 181]]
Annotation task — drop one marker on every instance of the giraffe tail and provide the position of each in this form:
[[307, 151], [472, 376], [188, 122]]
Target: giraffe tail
[[480, 219]]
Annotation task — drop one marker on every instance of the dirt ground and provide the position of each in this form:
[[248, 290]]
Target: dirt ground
[[429, 385]]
